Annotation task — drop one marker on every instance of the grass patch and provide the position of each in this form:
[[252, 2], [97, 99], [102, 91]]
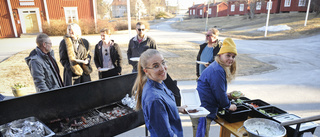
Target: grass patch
[[243, 28]]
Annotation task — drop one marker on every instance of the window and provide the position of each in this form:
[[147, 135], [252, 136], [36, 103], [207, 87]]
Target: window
[[258, 6], [270, 5], [200, 12], [71, 14], [190, 12], [287, 3], [209, 11], [232, 7], [194, 11], [302, 3], [241, 7]]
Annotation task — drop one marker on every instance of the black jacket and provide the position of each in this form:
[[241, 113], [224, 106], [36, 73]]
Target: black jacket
[[115, 55], [215, 52]]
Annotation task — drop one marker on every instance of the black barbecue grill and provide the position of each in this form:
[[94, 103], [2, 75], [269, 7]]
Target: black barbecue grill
[[81, 110]]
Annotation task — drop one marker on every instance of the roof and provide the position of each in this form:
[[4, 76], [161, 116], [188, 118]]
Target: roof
[[119, 2], [196, 6]]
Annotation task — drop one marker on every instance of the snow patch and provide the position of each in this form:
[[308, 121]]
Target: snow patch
[[275, 28]]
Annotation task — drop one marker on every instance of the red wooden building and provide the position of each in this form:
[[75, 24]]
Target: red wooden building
[[217, 9], [294, 5], [197, 10], [262, 6], [27, 16], [237, 7]]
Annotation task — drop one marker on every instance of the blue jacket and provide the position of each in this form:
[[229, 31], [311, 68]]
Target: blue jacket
[[160, 111], [212, 89]]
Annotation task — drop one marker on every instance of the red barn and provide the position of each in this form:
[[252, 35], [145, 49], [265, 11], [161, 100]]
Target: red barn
[[27, 16], [294, 5], [217, 9]]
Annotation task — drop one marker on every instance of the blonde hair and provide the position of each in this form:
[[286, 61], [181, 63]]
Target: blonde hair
[[75, 28], [230, 71], [141, 77], [214, 31]]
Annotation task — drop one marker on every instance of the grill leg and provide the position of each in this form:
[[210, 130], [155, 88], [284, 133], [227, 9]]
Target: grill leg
[[296, 132], [146, 129]]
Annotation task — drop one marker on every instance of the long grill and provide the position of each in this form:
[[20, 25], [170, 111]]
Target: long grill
[[91, 109]]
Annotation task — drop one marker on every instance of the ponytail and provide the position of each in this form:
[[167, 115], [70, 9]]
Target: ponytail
[[141, 77]]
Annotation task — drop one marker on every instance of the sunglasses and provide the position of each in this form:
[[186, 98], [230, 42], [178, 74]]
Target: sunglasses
[[140, 29], [211, 36], [106, 52]]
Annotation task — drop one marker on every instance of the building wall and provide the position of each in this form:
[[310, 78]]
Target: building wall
[[294, 6], [6, 29], [56, 10], [222, 10]]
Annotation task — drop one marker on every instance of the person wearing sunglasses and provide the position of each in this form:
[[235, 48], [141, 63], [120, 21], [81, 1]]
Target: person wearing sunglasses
[[138, 44], [208, 50], [107, 56], [158, 103]]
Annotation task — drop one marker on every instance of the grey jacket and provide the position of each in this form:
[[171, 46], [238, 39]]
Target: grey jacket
[[40, 67]]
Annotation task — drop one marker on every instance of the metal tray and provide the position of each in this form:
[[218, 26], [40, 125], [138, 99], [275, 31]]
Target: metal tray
[[19, 124]]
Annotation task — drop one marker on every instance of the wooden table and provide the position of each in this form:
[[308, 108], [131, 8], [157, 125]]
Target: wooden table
[[232, 128], [227, 128]]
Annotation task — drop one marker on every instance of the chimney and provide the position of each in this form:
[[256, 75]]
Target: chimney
[[193, 3]]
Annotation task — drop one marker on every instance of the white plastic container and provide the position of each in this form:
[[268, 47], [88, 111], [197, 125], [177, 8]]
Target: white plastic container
[[192, 100]]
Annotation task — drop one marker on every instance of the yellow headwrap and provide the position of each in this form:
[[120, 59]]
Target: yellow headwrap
[[228, 46]]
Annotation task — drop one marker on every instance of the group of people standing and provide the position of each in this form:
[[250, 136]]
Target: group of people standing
[[158, 103], [75, 57]]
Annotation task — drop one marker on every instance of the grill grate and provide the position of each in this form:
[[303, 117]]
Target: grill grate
[[92, 117]]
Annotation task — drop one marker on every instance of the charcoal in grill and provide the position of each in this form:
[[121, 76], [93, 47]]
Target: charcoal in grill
[[74, 123]]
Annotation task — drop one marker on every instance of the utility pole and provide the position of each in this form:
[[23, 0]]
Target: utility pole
[[305, 22], [129, 18], [267, 22], [207, 16]]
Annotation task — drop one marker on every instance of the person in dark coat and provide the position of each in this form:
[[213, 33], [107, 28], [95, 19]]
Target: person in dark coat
[[43, 66], [75, 56], [138, 44], [208, 50], [107, 56]]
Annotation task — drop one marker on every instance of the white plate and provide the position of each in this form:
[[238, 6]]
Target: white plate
[[135, 59], [201, 62], [104, 69], [80, 61], [202, 112]]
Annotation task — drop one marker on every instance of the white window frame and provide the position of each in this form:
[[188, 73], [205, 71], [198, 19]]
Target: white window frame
[[258, 5], [200, 11], [268, 5], [232, 7], [209, 11], [71, 8], [287, 3], [241, 8], [190, 11], [302, 3], [194, 11], [23, 25]]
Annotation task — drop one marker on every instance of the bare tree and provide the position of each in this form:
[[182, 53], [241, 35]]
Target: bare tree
[[104, 9], [140, 9]]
